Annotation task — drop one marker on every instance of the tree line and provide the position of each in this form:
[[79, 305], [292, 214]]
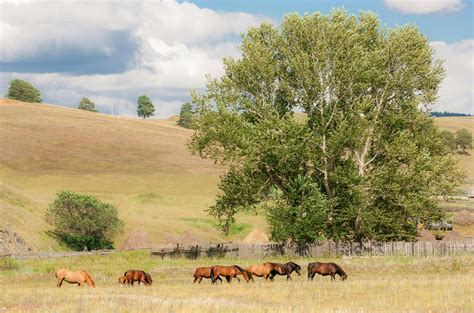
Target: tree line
[[22, 90]]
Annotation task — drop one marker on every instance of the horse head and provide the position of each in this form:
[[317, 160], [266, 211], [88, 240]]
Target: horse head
[[295, 267]]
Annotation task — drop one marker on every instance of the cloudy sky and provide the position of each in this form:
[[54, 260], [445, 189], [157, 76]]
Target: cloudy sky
[[113, 52]]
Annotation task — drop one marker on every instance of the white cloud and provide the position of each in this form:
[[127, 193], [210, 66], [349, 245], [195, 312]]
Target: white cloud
[[424, 6], [457, 89], [177, 44]]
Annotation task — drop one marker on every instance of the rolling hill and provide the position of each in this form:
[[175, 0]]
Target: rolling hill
[[141, 166]]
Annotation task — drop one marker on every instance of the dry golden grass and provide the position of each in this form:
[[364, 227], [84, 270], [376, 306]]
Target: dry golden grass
[[141, 166], [373, 285]]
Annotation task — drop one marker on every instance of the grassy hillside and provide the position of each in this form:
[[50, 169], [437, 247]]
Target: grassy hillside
[[141, 166]]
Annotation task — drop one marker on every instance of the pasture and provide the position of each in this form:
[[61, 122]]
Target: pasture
[[373, 284]]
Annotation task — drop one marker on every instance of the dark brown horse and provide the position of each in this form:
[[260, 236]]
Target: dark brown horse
[[132, 276], [228, 272], [203, 272], [285, 269], [325, 269]]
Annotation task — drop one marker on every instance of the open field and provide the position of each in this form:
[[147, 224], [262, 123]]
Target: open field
[[373, 284], [141, 166]]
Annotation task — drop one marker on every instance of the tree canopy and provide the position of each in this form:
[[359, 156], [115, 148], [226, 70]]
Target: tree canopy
[[81, 220], [360, 162], [464, 139], [23, 91], [87, 104], [145, 107], [186, 116]]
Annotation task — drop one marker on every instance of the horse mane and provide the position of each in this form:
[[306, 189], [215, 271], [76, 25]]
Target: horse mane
[[239, 268], [294, 264], [90, 278], [339, 270]]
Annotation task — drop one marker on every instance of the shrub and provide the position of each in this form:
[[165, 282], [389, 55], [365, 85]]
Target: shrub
[[23, 91]]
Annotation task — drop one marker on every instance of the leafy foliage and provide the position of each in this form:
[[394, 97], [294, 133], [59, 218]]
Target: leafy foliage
[[81, 220], [87, 104], [364, 163], [23, 91], [186, 116], [464, 139], [449, 139], [145, 107]]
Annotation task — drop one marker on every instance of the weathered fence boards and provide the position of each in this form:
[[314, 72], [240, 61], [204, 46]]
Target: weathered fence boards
[[263, 251], [327, 249]]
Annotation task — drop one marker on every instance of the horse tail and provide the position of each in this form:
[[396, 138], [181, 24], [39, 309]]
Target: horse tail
[[89, 278], [213, 278], [340, 271]]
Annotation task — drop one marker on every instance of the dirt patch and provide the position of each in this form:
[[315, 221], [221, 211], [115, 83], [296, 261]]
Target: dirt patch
[[11, 242], [138, 239], [256, 236], [425, 235], [465, 218], [186, 239], [453, 235]]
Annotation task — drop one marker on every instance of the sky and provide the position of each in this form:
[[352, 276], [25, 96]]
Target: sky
[[114, 51]]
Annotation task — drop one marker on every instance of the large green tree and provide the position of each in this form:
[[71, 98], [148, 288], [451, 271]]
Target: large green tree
[[145, 107], [87, 104], [23, 91], [81, 220], [361, 160]]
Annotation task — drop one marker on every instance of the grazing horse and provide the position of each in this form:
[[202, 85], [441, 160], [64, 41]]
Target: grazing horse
[[79, 278], [132, 276], [203, 272], [261, 270], [228, 272], [325, 269], [285, 269]]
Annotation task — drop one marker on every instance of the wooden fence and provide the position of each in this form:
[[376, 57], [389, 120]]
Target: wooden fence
[[264, 251], [326, 249]]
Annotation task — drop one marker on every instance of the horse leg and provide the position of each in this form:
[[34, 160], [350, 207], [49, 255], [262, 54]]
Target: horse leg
[[312, 276], [195, 278], [288, 277], [333, 277], [59, 283], [237, 278], [229, 279]]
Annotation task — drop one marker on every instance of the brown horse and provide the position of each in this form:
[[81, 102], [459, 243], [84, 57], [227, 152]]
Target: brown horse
[[285, 269], [325, 269], [228, 272], [79, 278], [203, 272], [132, 276], [123, 280], [261, 270]]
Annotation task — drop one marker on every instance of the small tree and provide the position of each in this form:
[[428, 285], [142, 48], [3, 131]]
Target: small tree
[[464, 139], [449, 139], [87, 104], [81, 220], [145, 107], [23, 91], [186, 116]]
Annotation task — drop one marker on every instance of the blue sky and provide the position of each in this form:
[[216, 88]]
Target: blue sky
[[112, 52]]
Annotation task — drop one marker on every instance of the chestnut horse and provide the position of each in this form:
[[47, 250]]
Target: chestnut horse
[[325, 269], [285, 269], [132, 276], [261, 270], [79, 278], [203, 272], [228, 272]]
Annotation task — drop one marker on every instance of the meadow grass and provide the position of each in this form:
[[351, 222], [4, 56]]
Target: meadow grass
[[374, 285]]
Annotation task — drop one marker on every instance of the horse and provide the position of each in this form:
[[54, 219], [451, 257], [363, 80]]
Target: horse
[[228, 272], [325, 269], [203, 272], [285, 269], [132, 276], [72, 277], [261, 270]]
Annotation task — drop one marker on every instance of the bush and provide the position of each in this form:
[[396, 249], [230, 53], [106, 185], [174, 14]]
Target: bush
[[87, 104], [23, 91], [81, 221]]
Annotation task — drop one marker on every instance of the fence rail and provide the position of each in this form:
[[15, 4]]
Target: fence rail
[[263, 251]]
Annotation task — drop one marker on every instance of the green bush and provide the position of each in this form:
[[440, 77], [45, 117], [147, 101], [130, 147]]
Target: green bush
[[81, 221], [23, 91]]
